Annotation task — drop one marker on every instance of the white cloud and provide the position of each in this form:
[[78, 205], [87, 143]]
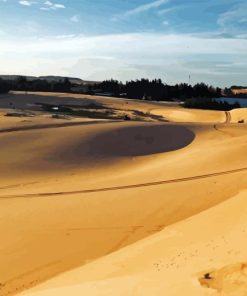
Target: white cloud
[[58, 6], [146, 7], [127, 56], [129, 45], [25, 2], [230, 20], [170, 9], [141, 9], [48, 5]]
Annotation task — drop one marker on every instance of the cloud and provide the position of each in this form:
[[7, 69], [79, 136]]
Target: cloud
[[233, 19], [146, 7], [129, 45], [169, 56], [141, 9], [25, 2], [58, 6], [170, 9], [48, 5]]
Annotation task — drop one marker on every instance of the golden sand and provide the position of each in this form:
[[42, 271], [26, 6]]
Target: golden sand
[[92, 207]]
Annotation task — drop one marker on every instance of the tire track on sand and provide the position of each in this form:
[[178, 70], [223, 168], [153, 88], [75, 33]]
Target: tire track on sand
[[124, 187], [228, 117]]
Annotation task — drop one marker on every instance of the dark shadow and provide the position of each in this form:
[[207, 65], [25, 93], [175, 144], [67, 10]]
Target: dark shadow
[[131, 141], [142, 140]]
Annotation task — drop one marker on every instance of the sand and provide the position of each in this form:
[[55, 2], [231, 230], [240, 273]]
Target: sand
[[92, 207], [239, 115]]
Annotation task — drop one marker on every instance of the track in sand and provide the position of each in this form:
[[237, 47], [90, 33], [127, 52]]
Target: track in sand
[[163, 182]]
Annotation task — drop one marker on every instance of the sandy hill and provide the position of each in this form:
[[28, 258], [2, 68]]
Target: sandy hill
[[104, 207]]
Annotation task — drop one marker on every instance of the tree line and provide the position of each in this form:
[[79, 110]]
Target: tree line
[[21, 83], [157, 90], [135, 89], [4, 86], [199, 95]]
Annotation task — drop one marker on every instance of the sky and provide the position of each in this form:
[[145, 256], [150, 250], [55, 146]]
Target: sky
[[126, 39]]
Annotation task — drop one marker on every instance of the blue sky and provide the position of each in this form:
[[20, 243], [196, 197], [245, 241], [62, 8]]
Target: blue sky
[[126, 39]]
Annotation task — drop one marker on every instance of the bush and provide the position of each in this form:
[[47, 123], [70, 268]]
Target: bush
[[208, 103]]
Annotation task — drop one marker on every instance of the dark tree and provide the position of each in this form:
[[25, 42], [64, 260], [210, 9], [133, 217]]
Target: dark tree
[[4, 86]]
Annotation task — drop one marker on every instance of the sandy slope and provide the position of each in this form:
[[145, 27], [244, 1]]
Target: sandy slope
[[72, 193], [172, 262], [239, 115]]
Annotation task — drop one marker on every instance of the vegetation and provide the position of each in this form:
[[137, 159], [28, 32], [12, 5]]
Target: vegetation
[[4, 86], [135, 89], [22, 84], [208, 103], [197, 96], [157, 90]]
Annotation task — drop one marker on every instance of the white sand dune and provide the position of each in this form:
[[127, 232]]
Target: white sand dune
[[131, 208]]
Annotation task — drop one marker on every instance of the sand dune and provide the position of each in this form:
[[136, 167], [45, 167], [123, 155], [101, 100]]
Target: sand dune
[[202, 255], [239, 115], [131, 208], [190, 115]]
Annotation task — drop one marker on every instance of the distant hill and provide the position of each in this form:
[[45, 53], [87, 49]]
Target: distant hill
[[73, 80], [14, 77]]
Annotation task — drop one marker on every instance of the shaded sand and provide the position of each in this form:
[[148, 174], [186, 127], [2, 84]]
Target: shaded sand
[[161, 111], [131, 208], [18, 123]]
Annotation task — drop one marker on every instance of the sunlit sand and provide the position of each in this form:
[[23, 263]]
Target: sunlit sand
[[152, 205]]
